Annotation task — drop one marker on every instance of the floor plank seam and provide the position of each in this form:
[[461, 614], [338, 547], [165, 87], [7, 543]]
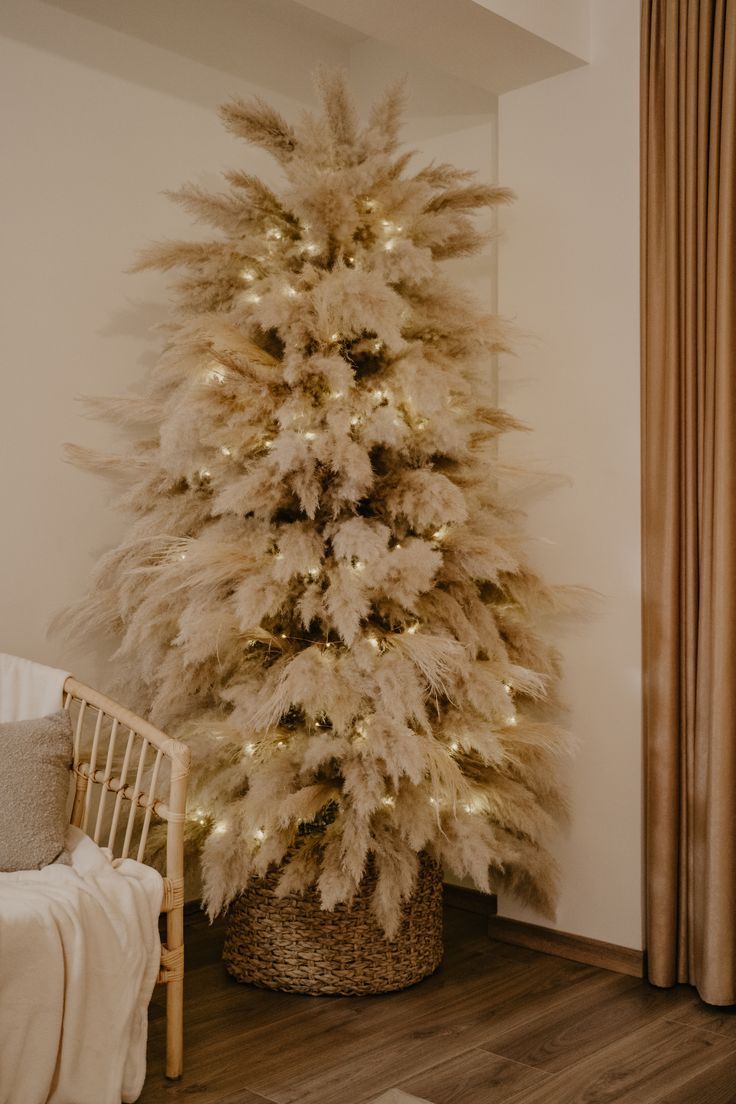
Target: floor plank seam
[[729, 1036], [518, 1062]]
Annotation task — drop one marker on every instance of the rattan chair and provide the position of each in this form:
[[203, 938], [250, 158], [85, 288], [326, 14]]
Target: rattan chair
[[108, 762]]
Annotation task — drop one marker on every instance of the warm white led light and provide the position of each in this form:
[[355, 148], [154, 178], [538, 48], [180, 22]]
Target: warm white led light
[[391, 227]]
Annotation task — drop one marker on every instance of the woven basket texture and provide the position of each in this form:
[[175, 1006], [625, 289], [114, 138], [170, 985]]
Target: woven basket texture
[[291, 944]]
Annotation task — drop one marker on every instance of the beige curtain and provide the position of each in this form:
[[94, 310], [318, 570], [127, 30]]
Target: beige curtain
[[688, 180]]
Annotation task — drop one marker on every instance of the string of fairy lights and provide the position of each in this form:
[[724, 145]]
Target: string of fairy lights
[[390, 233], [475, 806]]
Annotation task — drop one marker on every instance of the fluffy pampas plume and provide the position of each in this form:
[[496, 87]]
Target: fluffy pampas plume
[[323, 587]]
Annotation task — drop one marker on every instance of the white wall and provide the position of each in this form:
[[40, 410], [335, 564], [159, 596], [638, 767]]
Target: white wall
[[95, 124], [569, 273]]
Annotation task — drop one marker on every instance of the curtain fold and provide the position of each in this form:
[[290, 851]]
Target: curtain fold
[[688, 266]]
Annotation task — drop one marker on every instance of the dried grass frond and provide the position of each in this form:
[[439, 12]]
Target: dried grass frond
[[260, 124]]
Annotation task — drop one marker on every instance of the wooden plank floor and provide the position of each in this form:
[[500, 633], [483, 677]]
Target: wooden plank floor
[[495, 1025]]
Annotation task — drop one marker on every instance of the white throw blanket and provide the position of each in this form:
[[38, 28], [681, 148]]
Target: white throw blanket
[[79, 952], [28, 689], [79, 955]]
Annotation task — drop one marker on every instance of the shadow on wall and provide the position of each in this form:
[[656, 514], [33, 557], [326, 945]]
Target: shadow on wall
[[271, 43]]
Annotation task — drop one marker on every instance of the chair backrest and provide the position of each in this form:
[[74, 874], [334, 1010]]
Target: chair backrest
[[144, 771]]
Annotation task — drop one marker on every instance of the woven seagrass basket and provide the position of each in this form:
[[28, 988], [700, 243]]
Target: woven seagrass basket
[[290, 943]]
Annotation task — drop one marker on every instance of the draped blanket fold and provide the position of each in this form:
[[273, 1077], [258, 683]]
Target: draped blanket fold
[[79, 956], [28, 689]]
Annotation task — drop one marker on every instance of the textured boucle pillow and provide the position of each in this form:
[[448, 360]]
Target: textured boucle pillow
[[35, 757]]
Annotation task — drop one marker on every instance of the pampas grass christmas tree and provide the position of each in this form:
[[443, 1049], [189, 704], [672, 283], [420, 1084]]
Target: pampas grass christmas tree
[[323, 588]]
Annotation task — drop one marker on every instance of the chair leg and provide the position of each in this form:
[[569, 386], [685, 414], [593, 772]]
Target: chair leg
[[174, 1029], [175, 994]]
